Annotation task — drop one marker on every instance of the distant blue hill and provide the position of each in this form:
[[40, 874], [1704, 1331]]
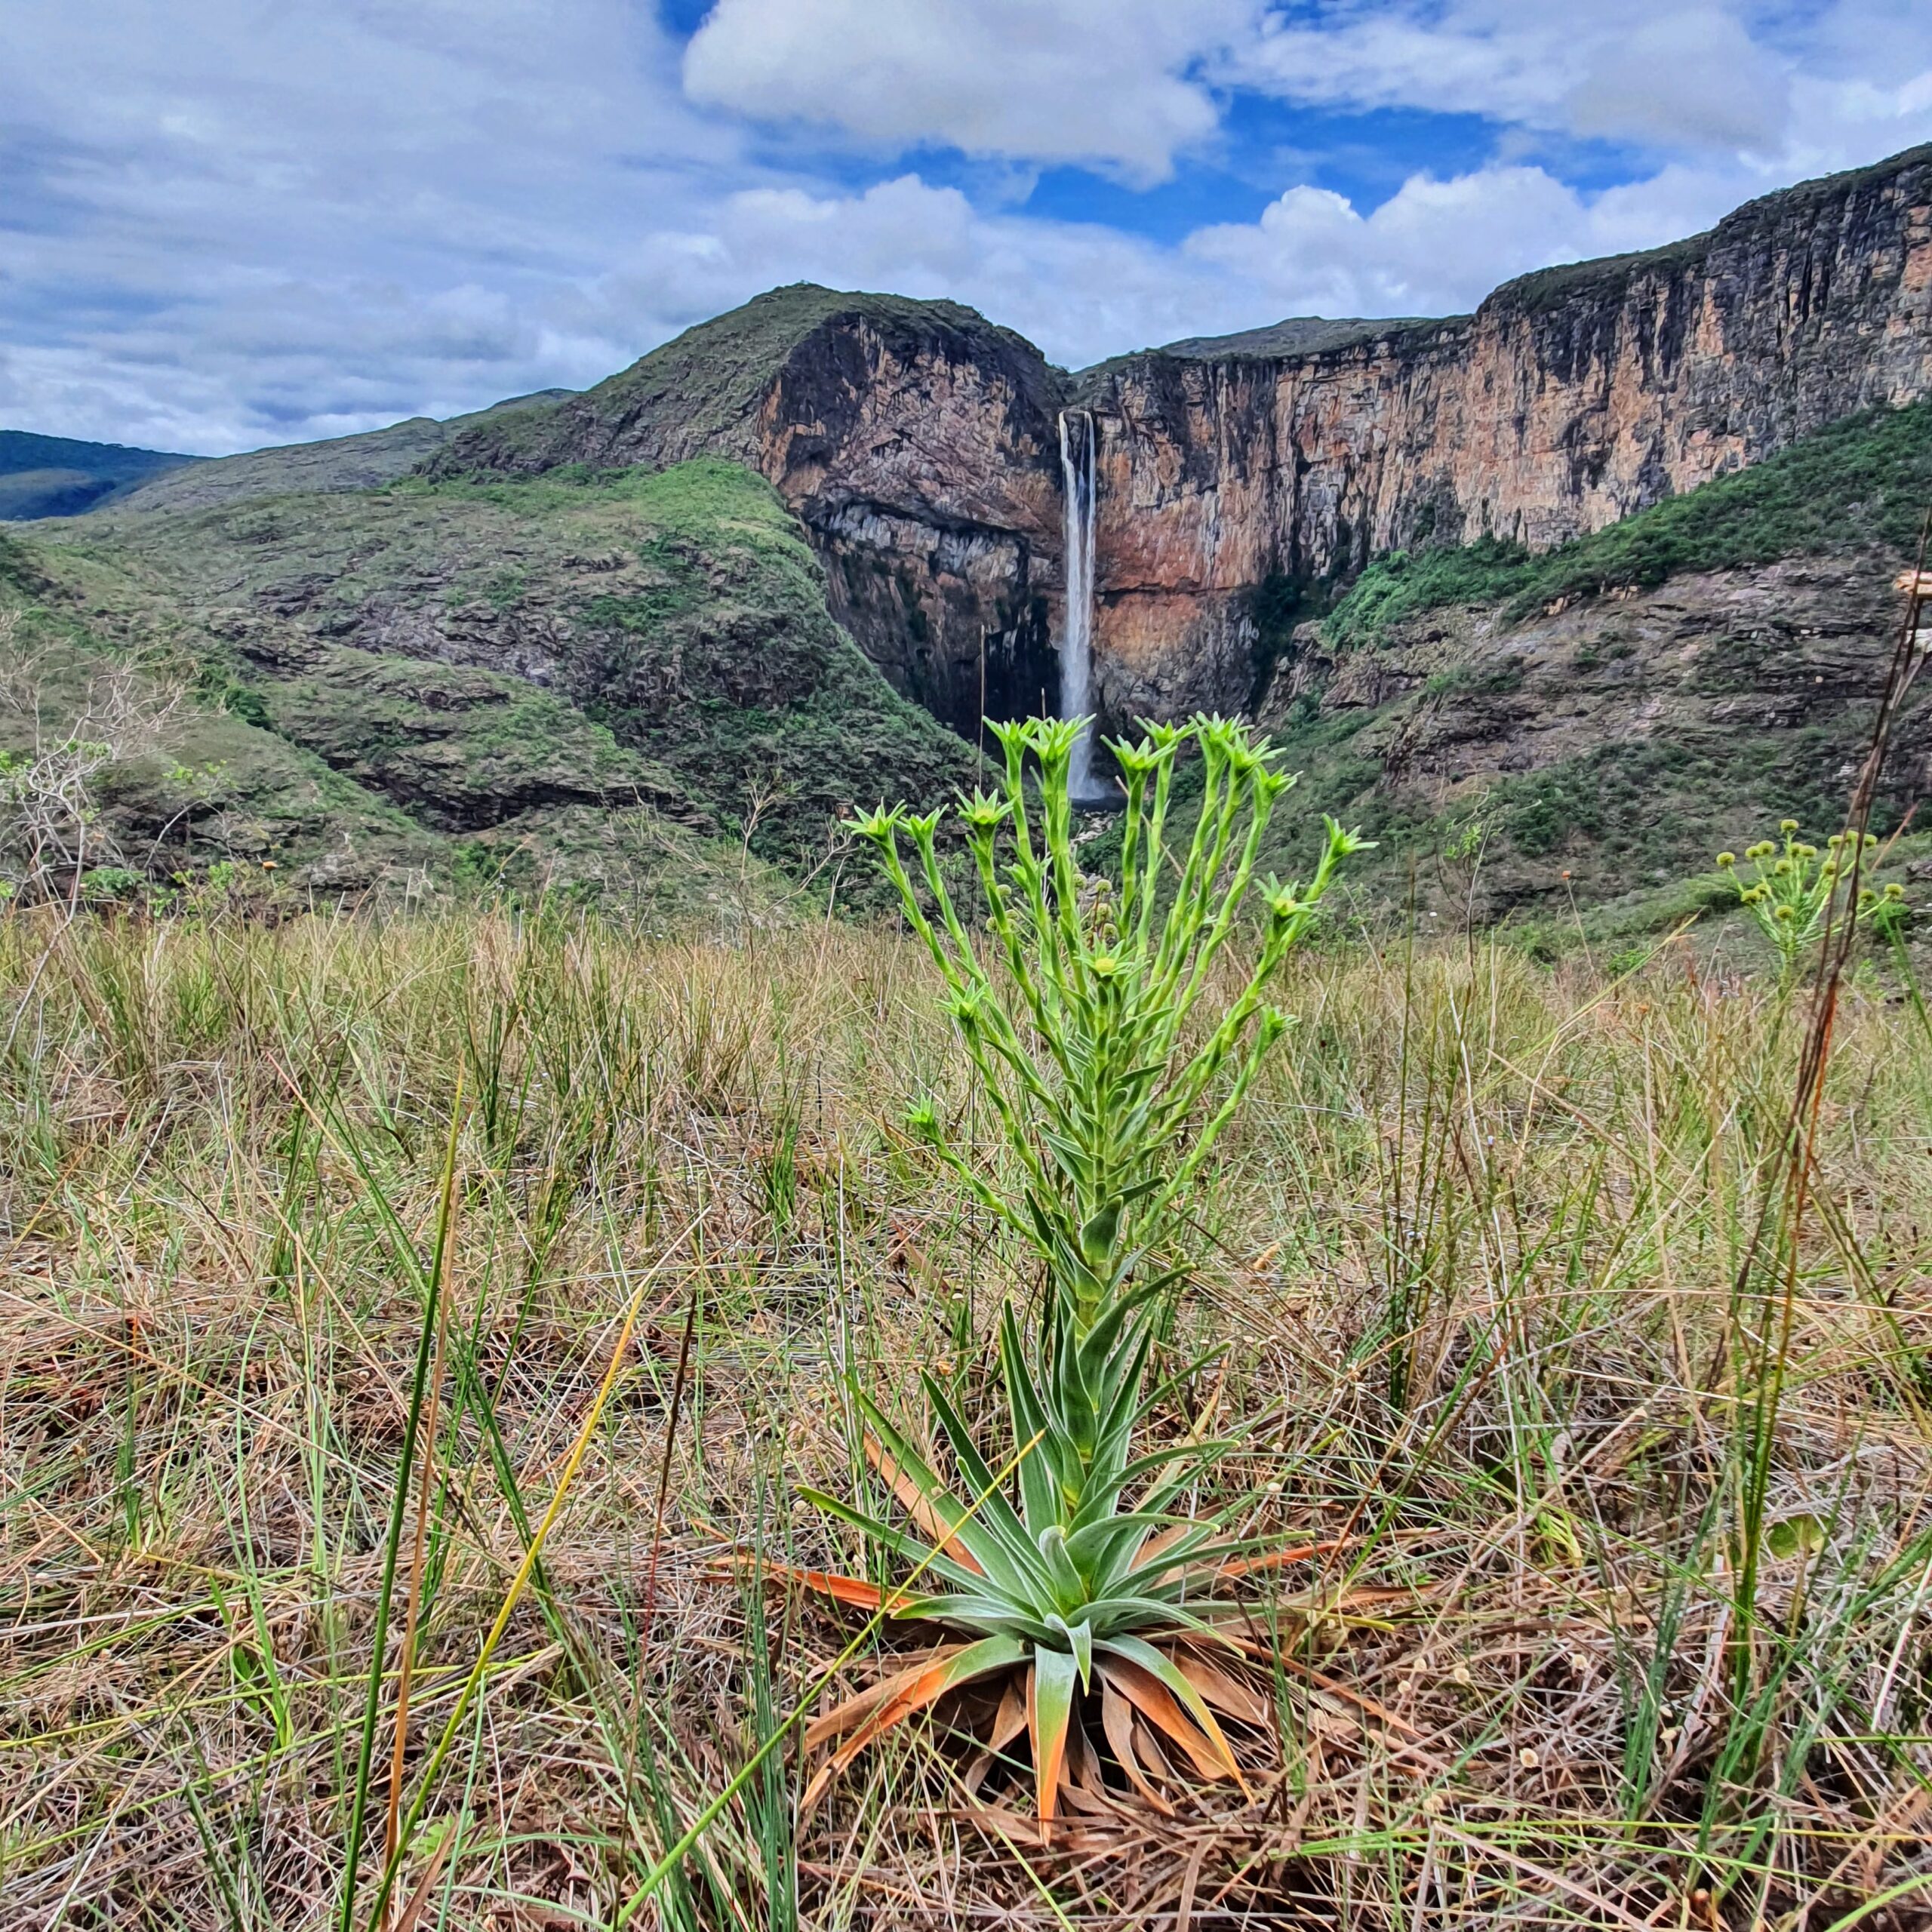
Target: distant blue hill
[[57, 476]]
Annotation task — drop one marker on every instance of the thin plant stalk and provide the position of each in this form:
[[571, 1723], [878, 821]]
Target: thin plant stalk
[[393, 1543]]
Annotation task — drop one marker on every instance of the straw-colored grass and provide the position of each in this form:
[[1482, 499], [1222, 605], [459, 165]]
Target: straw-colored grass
[[1475, 1257]]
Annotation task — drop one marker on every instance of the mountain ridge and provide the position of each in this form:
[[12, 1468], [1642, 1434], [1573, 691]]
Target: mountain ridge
[[1489, 502], [919, 442], [44, 476], [363, 461]]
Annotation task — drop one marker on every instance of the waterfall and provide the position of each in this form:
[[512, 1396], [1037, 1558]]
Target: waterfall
[[1076, 637]]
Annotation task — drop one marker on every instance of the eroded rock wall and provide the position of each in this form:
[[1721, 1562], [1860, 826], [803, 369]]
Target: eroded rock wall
[[1569, 399], [918, 443]]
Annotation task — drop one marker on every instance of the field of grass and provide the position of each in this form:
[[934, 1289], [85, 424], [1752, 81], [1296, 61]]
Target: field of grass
[[1621, 1616]]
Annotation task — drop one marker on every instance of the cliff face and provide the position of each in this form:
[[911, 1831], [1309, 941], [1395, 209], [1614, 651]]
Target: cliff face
[[918, 444], [1569, 399]]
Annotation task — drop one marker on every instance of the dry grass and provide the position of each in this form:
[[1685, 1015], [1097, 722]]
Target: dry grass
[[1472, 1261]]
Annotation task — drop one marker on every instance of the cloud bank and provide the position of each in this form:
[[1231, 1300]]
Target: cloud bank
[[222, 226]]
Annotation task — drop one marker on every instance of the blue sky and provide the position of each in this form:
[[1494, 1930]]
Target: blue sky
[[229, 223]]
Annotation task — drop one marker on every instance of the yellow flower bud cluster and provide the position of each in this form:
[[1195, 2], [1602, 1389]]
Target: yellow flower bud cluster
[[1792, 890]]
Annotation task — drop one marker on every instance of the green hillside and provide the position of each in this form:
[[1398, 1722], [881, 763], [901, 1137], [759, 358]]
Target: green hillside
[[44, 476], [597, 680]]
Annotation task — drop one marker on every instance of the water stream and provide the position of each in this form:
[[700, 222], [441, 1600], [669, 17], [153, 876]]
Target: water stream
[[1076, 637]]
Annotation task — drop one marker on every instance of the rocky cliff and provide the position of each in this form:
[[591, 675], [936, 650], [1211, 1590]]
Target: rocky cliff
[[919, 443], [1568, 400]]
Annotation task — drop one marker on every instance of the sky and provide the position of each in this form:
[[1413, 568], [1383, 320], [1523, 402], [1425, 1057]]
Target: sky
[[227, 223]]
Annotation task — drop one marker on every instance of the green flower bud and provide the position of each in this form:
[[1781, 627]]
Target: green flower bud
[[877, 826], [965, 1006], [1727, 859], [982, 814], [1787, 826]]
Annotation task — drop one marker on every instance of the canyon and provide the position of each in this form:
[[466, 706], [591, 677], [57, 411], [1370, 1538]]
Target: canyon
[[1598, 578], [919, 444]]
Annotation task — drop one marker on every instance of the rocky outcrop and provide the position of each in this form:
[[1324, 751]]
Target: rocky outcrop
[[1570, 399], [1607, 744], [919, 444]]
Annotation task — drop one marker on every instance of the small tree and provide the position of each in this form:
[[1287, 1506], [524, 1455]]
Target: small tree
[[1080, 1006], [50, 831]]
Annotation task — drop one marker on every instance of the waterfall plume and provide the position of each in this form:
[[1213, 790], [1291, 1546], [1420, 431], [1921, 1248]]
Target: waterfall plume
[[1076, 637]]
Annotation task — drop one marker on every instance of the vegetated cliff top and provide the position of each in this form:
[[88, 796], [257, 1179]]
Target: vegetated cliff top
[[42, 476], [1287, 341], [1299, 335], [705, 391], [1599, 720], [1542, 289], [702, 391], [1781, 209], [361, 462], [589, 680]]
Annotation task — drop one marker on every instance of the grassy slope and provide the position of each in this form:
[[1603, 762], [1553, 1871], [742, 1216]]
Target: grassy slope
[[699, 391], [1627, 812], [1528, 1187], [676, 622]]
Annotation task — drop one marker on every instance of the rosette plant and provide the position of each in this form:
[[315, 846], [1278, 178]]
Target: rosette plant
[[1104, 1026]]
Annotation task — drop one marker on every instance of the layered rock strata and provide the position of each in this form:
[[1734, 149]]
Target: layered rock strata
[[918, 443], [1569, 399]]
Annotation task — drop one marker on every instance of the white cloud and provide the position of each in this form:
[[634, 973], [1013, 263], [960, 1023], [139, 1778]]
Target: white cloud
[[1651, 71], [1434, 248], [1463, 59], [1102, 82], [222, 225], [1079, 290], [1689, 79]]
